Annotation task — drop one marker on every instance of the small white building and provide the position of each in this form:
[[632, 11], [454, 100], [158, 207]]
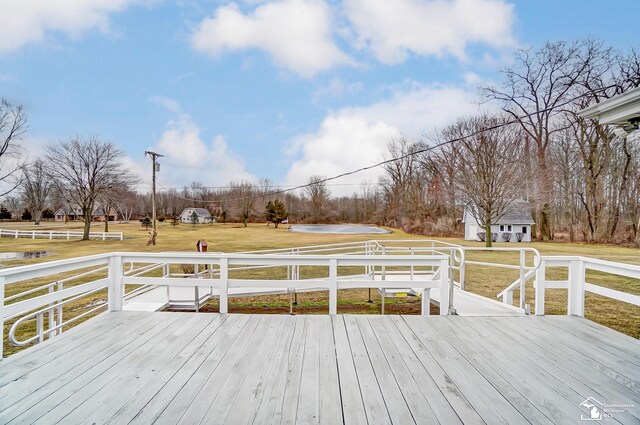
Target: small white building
[[204, 216], [514, 226]]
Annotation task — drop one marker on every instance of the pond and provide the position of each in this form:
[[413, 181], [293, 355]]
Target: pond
[[338, 229], [23, 255]]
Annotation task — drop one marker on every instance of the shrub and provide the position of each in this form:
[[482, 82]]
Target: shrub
[[146, 222], [506, 237]]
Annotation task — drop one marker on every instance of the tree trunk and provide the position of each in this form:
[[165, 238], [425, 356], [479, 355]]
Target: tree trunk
[[87, 224], [244, 221], [488, 240], [546, 189], [276, 224], [106, 223]]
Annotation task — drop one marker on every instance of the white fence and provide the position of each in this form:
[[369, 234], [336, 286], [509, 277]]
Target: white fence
[[59, 234], [576, 282], [46, 308], [430, 265]]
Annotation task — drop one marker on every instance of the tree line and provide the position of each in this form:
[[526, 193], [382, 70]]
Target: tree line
[[580, 179]]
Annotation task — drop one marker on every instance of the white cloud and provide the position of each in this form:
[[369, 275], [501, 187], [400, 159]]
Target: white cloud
[[170, 104], [336, 88], [24, 22], [394, 29], [355, 137], [189, 158], [297, 34]]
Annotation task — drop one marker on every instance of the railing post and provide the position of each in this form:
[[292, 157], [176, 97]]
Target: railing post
[[383, 268], [540, 284], [51, 313], [60, 308], [426, 302], [40, 326], [575, 302], [333, 286], [523, 260], [224, 285], [462, 270], [196, 292], [444, 287], [116, 289], [411, 251], [507, 298], [2, 316]]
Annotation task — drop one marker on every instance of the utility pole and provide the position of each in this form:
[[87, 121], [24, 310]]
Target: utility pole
[[156, 167]]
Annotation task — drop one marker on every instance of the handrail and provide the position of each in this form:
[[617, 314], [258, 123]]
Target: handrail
[[526, 272], [507, 293], [225, 262], [57, 282], [577, 284], [40, 331], [445, 259]]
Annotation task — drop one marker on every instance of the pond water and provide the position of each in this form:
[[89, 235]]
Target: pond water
[[338, 229], [23, 255]]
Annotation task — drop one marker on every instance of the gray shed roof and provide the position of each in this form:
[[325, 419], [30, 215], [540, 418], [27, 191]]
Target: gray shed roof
[[518, 213], [202, 212]]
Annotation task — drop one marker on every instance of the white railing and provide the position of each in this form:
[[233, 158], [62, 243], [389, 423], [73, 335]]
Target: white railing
[[526, 272], [52, 302], [60, 234], [577, 284], [430, 265]]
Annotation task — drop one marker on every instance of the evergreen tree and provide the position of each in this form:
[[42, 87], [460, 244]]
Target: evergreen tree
[[275, 212]]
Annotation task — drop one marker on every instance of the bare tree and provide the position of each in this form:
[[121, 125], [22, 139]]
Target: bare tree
[[489, 168], [536, 89], [15, 205], [13, 124], [398, 179], [36, 188], [125, 202], [86, 168], [317, 196], [245, 195]]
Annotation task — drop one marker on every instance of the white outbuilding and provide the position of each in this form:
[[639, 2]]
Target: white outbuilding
[[514, 226], [203, 215]]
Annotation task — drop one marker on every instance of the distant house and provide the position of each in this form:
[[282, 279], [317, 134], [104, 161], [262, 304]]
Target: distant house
[[514, 226], [203, 215], [75, 214]]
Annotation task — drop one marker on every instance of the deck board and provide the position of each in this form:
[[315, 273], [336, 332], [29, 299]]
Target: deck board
[[197, 368]]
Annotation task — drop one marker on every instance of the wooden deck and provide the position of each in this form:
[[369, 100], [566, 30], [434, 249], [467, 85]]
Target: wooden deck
[[134, 367]]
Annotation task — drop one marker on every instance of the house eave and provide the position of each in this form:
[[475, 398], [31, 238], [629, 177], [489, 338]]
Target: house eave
[[618, 110]]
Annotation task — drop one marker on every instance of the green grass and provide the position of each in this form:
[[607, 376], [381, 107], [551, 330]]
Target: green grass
[[486, 281]]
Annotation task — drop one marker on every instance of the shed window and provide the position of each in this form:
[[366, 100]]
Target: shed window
[[524, 229], [509, 228], [502, 227]]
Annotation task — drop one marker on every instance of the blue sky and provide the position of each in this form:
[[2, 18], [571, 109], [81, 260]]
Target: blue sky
[[269, 89]]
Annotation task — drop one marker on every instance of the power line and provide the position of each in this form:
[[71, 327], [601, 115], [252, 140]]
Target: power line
[[410, 154]]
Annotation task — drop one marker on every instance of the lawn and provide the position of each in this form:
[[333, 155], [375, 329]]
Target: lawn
[[486, 281]]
